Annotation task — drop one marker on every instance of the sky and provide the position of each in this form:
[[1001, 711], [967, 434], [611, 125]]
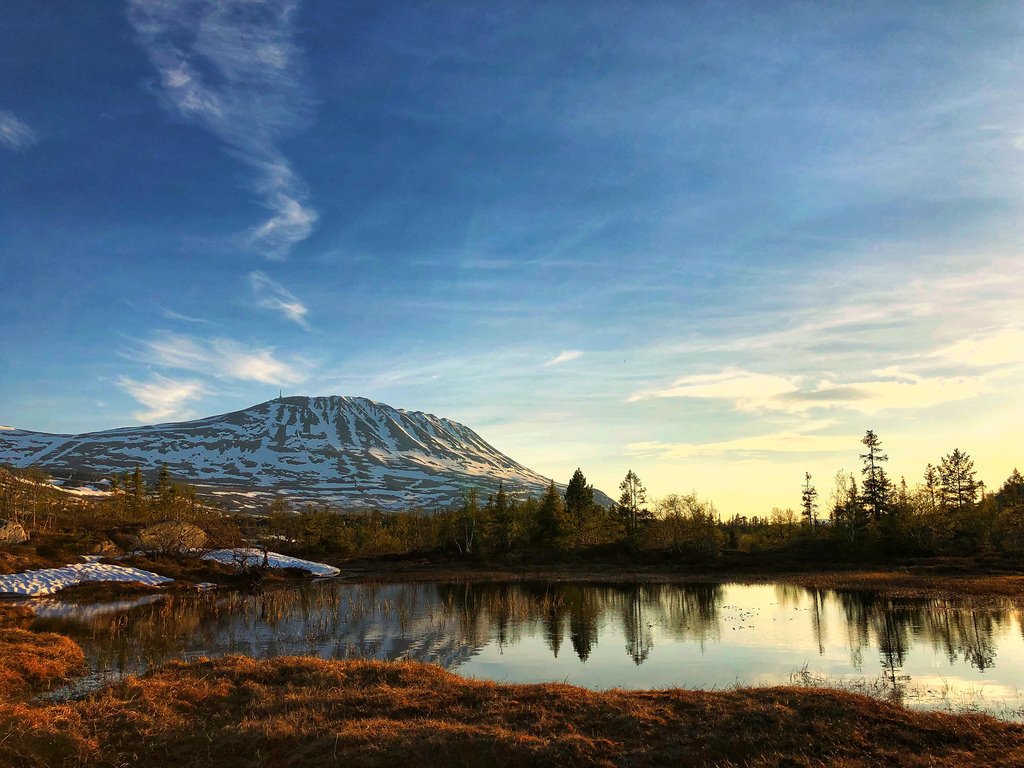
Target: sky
[[711, 242]]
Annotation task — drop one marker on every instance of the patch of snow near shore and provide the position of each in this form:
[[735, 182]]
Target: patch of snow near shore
[[54, 608], [50, 580], [253, 558]]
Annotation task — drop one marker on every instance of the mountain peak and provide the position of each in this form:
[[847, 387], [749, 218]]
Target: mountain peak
[[340, 450]]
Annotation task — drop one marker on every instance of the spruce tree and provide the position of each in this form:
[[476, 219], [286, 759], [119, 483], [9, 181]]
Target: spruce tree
[[549, 517], [633, 504], [164, 491], [809, 501], [579, 503], [502, 521], [137, 491], [931, 486], [1012, 491], [959, 489], [876, 489]]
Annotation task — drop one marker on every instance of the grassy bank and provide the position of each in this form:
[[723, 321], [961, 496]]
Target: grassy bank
[[31, 661], [305, 712]]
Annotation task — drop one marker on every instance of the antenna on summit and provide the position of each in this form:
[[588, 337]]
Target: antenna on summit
[[280, 395]]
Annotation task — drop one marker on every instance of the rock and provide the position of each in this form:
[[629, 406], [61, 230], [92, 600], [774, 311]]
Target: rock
[[107, 548], [12, 532], [171, 537]]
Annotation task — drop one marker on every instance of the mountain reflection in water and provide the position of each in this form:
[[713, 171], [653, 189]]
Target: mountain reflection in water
[[596, 635]]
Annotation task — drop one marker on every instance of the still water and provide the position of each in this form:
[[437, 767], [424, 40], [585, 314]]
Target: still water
[[942, 654]]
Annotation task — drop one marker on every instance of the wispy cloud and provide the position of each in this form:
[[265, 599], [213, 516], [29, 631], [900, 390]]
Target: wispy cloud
[[790, 441], [232, 67], [891, 389], [15, 134], [170, 314], [221, 358], [747, 391], [1003, 347], [271, 295], [164, 398], [565, 356]]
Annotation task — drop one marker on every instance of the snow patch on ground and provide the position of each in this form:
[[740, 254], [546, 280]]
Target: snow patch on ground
[[253, 558], [50, 580], [85, 490]]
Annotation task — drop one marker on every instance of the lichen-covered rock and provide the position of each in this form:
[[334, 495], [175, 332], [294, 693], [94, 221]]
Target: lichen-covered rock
[[12, 532], [172, 537]]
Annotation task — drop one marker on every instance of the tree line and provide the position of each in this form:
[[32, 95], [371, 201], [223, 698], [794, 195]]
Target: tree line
[[948, 511]]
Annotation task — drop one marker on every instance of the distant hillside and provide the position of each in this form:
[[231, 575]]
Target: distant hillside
[[349, 452]]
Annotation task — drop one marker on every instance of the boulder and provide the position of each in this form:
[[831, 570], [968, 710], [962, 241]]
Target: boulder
[[12, 532], [107, 548], [171, 537]]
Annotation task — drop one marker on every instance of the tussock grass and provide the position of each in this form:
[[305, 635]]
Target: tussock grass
[[14, 615], [293, 712], [31, 661]]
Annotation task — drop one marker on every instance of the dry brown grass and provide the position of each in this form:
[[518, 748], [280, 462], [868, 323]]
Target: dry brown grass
[[305, 712], [14, 615], [30, 661]]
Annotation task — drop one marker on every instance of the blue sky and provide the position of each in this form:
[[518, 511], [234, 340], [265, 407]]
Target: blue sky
[[713, 242]]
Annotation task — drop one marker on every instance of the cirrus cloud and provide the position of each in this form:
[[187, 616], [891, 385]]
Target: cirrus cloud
[[269, 294], [232, 67], [15, 134]]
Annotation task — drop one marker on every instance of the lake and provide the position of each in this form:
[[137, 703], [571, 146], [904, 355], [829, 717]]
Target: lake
[[943, 654]]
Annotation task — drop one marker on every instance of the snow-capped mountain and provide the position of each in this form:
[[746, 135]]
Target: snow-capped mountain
[[343, 451]]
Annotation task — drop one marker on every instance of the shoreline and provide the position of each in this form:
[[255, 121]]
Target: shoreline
[[922, 581], [304, 711], [909, 582]]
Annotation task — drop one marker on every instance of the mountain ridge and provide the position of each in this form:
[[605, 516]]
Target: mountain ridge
[[344, 451]]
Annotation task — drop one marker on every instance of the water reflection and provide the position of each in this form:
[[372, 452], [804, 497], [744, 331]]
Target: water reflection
[[697, 635]]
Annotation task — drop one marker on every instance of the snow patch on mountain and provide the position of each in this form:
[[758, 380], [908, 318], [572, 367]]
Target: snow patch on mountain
[[348, 452]]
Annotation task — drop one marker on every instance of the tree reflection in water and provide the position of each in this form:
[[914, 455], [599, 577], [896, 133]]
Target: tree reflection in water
[[449, 623]]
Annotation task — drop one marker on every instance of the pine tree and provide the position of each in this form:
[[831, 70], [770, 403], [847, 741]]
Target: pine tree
[[579, 505], [809, 501], [876, 489], [633, 504]]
